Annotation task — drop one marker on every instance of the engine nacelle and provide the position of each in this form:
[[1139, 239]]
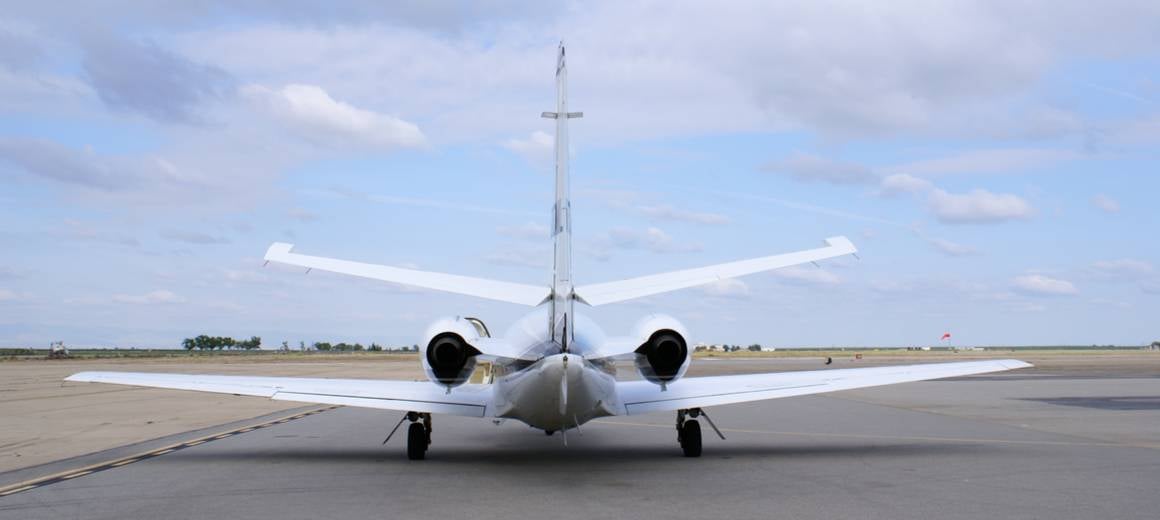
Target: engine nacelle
[[448, 355], [663, 355]]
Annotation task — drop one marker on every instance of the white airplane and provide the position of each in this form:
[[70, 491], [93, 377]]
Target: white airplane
[[554, 369]]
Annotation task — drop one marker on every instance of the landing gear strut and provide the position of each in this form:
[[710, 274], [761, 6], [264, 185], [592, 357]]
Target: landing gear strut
[[418, 435], [689, 430], [688, 434]]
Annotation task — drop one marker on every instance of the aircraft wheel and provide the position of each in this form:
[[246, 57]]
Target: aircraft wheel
[[417, 441], [691, 438], [549, 432]]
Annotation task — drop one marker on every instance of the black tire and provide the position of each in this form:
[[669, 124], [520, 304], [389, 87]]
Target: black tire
[[417, 441], [691, 439], [549, 432]]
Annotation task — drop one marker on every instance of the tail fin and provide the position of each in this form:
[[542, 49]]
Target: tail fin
[[562, 286]]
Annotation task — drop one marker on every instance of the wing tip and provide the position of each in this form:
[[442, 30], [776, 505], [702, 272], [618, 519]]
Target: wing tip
[[1014, 364], [843, 243], [278, 249], [82, 377]]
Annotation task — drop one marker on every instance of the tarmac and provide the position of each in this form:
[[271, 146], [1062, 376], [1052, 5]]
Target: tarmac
[[1024, 444]]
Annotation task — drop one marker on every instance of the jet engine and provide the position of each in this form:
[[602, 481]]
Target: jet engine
[[663, 355], [448, 355]]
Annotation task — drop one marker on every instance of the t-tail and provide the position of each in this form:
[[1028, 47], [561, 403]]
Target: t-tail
[[562, 293], [560, 316]]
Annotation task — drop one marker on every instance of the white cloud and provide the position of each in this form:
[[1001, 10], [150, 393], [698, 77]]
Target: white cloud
[[667, 212], [77, 230], [248, 276], [321, 118], [727, 288], [812, 168], [951, 248], [160, 296], [977, 207], [985, 161], [1105, 203], [1040, 285], [521, 257], [881, 70], [193, 237], [808, 276], [652, 239], [900, 183], [7, 295], [302, 214], [537, 148], [526, 231], [1125, 269]]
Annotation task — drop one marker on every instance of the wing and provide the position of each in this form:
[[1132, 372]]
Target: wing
[[411, 396], [611, 292], [644, 397], [531, 295]]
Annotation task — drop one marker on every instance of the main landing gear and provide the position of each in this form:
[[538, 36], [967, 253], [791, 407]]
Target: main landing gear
[[689, 430], [418, 435]]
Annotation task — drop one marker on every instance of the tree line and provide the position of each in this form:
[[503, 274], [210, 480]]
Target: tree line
[[204, 342]]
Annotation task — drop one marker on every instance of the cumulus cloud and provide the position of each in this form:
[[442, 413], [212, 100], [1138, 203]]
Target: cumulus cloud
[[950, 248], [985, 161], [19, 48], [808, 276], [727, 288], [302, 214], [7, 295], [145, 78], [1151, 287], [193, 237], [1040, 285], [535, 258], [667, 212], [85, 167], [978, 207], [526, 231], [244, 276], [901, 183], [160, 296], [77, 230], [888, 69], [1105, 203], [651, 239], [537, 148], [317, 116], [812, 168], [1124, 269]]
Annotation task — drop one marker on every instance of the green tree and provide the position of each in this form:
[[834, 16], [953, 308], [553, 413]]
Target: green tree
[[188, 343], [322, 346]]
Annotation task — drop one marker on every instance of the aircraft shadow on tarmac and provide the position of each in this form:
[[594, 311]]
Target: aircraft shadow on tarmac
[[1120, 403], [601, 453]]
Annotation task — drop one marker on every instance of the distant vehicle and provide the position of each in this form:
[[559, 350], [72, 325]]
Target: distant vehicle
[[554, 369]]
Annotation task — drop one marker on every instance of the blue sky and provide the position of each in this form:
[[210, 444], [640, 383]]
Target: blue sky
[[996, 164]]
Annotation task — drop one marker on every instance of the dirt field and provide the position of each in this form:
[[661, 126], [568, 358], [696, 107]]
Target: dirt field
[[44, 419]]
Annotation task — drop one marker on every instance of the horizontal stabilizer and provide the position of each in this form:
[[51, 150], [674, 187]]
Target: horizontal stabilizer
[[530, 295], [611, 292]]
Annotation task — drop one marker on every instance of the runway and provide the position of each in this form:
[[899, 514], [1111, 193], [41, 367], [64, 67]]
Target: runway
[[1018, 445]]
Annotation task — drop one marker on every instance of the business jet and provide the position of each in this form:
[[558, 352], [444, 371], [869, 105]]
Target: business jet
[[554, 369]]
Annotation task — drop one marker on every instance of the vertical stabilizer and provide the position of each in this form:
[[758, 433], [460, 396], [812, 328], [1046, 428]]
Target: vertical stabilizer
[[561, 307]]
